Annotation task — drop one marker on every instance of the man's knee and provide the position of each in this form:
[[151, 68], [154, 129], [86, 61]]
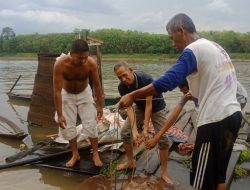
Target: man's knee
[[163, 143]]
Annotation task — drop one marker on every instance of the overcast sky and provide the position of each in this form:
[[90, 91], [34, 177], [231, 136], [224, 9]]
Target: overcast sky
[[54, 16]]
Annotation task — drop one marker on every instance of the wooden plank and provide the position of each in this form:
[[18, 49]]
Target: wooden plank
[[230, 169], [40, 119], [188, 129], [43, 110], [42, 100], [177, 172], [136, 151], [184, 119], [149, 161], [192, 136]]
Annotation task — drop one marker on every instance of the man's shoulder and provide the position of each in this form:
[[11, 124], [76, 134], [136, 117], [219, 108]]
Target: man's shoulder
[[62, 59], [91, 63], [142, 74], [143, 78], [91, 60]]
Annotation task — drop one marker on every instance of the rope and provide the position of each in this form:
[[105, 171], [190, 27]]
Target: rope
[[112, 150], [133, 171]]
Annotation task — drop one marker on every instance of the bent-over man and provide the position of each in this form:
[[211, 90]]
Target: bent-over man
[[139, 115], [73, 95]]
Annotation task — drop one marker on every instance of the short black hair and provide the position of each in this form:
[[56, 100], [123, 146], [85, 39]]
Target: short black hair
[[79, 46]]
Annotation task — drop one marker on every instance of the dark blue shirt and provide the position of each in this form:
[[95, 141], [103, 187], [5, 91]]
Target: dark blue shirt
[[185, 65], [141, 80]]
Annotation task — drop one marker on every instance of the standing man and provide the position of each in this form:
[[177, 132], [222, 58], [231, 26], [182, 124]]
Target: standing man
[[212, 80], [73, 95], [153, 107]]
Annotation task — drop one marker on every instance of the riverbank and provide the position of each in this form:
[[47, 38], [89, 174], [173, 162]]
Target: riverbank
[[236, 57]]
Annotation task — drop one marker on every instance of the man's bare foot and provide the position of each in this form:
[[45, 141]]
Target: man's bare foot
[[97, 160], [72, 161], [167, 180], [126, 165]]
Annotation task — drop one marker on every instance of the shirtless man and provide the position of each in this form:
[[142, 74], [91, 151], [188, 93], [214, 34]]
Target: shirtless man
[[73, 95]]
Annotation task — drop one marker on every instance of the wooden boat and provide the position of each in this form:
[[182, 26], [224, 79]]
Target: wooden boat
[[10, 129], [51, 149], [19, 97], [85, 165], [108, 100], [44, 152], [27, 98]]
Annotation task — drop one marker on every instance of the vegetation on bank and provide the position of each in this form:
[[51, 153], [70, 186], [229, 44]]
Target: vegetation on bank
[[127, 57], [239, 172], [117, 42]]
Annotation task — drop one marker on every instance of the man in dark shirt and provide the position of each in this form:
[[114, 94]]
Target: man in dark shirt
[[139, 115]]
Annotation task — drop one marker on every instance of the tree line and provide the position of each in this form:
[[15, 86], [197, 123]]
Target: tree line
[[115, 41]]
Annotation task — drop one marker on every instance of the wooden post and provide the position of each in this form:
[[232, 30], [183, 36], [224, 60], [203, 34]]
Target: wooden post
[[100, 68], [42, 108]]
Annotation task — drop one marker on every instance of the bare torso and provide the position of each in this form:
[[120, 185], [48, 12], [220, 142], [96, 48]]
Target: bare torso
[[75, 77], [72, 72]]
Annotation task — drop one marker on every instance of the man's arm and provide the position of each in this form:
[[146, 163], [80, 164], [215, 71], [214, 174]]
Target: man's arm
[[171, 120], [97, 88], [128, 99], [57, 87], [185, 65], [133, 124], [148, 113]]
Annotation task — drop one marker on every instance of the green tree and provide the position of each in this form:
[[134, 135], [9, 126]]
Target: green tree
[[7, 33], [245, 42]]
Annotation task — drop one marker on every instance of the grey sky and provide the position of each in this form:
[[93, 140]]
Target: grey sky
[[47, 16]]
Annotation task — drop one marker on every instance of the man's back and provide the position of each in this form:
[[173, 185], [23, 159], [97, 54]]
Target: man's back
[[214, 83]]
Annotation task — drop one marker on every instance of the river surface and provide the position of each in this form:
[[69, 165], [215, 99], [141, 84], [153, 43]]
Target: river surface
[[31, 177]]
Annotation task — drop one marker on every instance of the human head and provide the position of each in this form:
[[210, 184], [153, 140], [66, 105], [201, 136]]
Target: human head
[[79, 51], [184, 88], [181, 31], [124, 73]]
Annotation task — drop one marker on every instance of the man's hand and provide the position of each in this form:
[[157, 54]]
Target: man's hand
[[137, 139], [151, 142], [126, 101], [61, 122], [145, 134], [185, 148], [188, 96], [99, 113]]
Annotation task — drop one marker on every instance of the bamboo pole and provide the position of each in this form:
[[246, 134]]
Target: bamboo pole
[[13, 86]]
